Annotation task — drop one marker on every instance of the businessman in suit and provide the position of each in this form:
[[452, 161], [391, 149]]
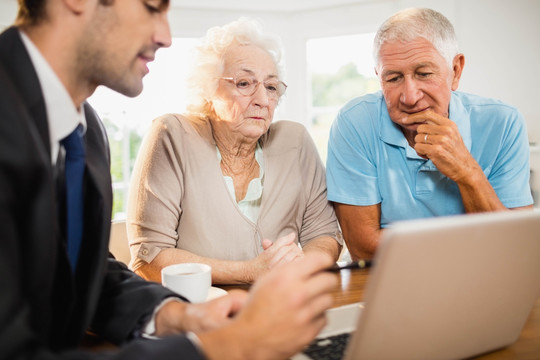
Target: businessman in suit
[[56, 276]]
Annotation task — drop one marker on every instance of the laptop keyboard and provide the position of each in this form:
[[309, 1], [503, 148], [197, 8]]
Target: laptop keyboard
[[329, 348]]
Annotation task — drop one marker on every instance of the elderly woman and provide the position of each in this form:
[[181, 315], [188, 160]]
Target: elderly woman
[[221, 184]]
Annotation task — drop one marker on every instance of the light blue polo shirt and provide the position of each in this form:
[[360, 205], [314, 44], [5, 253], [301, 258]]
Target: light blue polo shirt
[[370, 161]]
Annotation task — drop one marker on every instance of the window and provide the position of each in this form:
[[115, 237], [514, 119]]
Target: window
[[128, 119], [340, 69]]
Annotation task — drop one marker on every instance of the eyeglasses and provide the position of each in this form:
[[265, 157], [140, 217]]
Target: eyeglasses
[[247, 85]]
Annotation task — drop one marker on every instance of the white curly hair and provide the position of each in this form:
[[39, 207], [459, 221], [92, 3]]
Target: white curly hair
[[208, 66]]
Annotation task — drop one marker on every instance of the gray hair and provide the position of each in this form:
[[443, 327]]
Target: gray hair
[[209, 64], [410, 24]]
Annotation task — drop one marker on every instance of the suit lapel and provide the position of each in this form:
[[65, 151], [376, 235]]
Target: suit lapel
[[46, 254], [15, 59], [97, 216]]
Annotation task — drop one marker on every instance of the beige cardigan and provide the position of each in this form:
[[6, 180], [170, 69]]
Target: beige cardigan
[[178, 197]]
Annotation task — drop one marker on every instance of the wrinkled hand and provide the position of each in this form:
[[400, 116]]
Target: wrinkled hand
[[439, 140], [282, 251], [178, 317], [284, 312]]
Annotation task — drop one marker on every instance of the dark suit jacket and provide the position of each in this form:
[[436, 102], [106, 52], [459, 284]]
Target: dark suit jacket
[[45, 309]]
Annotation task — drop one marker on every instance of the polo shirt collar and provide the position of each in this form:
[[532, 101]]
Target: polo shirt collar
[[460, 115]]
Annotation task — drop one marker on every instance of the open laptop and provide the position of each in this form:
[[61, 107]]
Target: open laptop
[[445, 288]]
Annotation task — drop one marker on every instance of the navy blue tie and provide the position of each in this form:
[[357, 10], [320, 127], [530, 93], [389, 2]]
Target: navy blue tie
[[74, 173]]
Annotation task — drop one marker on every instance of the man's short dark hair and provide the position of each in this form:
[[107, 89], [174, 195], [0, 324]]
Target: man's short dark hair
[[30, 12]]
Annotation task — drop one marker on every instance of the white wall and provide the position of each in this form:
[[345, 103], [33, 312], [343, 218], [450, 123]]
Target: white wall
[[8, 10], [500, 40]]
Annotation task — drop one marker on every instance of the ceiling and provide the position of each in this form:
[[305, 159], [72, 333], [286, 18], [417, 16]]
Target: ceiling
[[262, 5]]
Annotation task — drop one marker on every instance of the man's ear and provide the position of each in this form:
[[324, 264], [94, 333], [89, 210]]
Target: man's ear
[[457, 69], [76, 6]]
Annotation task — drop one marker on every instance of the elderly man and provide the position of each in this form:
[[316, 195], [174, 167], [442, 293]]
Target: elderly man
[[420, 148]]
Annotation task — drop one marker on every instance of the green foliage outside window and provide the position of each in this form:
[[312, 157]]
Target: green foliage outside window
[[338, 88], [330, 91]]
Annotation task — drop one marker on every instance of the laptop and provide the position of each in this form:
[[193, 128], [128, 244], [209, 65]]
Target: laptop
[[444, 288]]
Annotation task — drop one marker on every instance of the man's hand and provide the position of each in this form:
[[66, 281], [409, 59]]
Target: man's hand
[[178, 317], [284, 312], [439, 140]]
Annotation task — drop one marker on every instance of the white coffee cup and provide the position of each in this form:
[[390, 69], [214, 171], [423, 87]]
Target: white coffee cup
[[191, 280]]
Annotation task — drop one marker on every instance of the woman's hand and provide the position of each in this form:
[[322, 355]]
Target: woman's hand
[[282, 251]]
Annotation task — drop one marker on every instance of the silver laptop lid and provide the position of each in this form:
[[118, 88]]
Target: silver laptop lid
[[449, 288]]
